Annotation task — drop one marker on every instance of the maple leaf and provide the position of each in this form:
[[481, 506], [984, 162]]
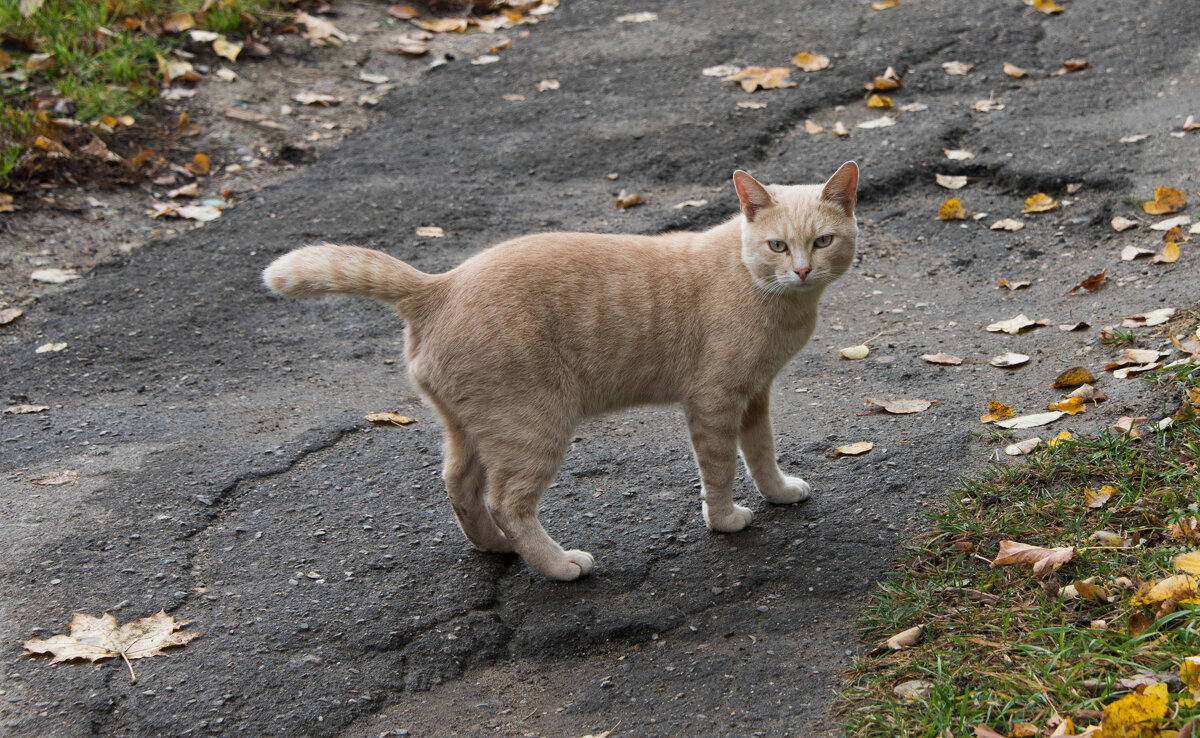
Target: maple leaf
[[101, 638], [766, 78], [1043, 560]]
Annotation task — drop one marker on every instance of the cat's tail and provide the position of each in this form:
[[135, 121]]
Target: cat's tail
[[327, 269]]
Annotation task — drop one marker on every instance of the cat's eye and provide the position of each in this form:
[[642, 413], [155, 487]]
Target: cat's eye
[[777, 246], [823, 241]]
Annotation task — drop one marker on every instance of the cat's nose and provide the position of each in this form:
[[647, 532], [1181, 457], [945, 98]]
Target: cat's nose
[[802, 272]]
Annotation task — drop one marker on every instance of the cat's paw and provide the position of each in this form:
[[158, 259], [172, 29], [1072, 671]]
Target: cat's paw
[[573, 564], [731, 522], [794, 489]]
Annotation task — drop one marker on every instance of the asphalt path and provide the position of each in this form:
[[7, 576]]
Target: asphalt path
[[227, 475]]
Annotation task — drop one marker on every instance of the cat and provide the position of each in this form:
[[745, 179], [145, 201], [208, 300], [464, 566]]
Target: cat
[[520, 342]]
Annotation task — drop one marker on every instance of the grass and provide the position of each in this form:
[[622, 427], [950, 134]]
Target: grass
[[103, 60], [1002, 646]]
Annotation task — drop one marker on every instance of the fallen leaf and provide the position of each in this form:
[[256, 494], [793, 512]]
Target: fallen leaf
[[29, 7], [38, 62], [689, 204], [1014, 285], [1091, 591], [402, 12], [1095, 498], [642, 17], [811, 127], [940, 358], [1070, 406], [987, 106], [879, 101], [376, 79], [885, 4], [25, 409], [1175, 235], [1076, 375], [1177, 221], [952, 209], [997, 411], [1147, 319], [200, 213], [1124, 372], [389, 418], [100, 638], [1039, 203], [1129, 253], [1077, 326], [1049, 7], [1008, 224], [429, 232], [188, 190], [8, 315], [1134, 138], [1043, 560], [1088, 393], [985, 731], [1134, 356], [810, 62], [906, 638], [1092, 283], [1023, 730], [721, 70], [855, 352], [913, 689], [951, 182], [320, 99], [857, 448], [958, 154], [1127, 425], [1071, 65], [227, 49], [1012, 326], [51, 147], [900, 407], [1188, 563], [6, 203], [200, 165], [323, 33], [547, 85], [1121, 223], [48, 348], [1023, 447], [881, 122], [1030, 421], [1012, 70], [203, 37], [839, 130], [53, 276], [625, 201], [750, 104], [480, 61], [765, 78], [1060, 438], [1009, 359], [1109, 539], [957, 68], [58, 478], [1177, 587], [1169, 255], [1166, 201]]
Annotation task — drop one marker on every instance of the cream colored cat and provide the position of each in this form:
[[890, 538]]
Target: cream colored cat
[[522, 341]]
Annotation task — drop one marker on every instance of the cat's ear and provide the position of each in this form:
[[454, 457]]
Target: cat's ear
[[753, 196], [842, 188]]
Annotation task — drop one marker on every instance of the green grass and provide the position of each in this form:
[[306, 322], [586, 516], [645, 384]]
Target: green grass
[[1033, 652], [103, 64]]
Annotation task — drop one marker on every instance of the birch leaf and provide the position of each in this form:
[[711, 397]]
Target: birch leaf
[[855, 352], [1023, 447], [1095, 498], [1121, 223], [1189, 563], [1070, 406], [1039, 203], [389, 418], [1147, 319], [1008, 224], [810, 62], [1009, 359], [906, 638], [940, 358], [1012, 70], [951, 182], [1169, 255], [1012, 326]]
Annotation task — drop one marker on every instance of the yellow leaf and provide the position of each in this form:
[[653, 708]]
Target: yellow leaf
[[200, 164], [952, 209], [1049, 7], [879, 101], [1177, 587], [178, 22], [1095, 498], [390, 418], [1166, 200], [625, 201], [997, 411], [1136, 715], [1039, 203], [1169, 255], [885, 4], [1076, 375], [1189, 672], [1070, 406], [227, 49], [766, 78], [810, 62], [1064, 436], [855, 352], [854, 449], [1043, 560], [1189, 563]]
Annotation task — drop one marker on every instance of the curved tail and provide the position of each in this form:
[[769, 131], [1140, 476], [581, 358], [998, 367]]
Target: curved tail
[[327, 269]]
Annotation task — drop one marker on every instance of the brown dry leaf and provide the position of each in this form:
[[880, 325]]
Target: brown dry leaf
[[408, 46], [1023, 447], [1127, 425], [37, 62], [1166, 201], [861, 351], [951, 182], [879, 101], [8, 315], [318, 99], [1039, 203], [885, 4], [1023, 730], [941, 358], [51, 147], [1129, 253], [1008, 224], [1095, 498], [1012, 70], [985, 731], [900, 407], [402, 12], [1043, 560], [323, 33], [1014, 285], [389, 418], [1169, 255], [1092, 283], [1121, 223], [1088, 393], [1049, 7], [1133, 356], [840, 131], [811, 127], [1071, 65], [765, 78], [1009, 360], [58, 478], [1148, 319], [996, 411], [6, 203], [1089, 591], [1177, 587], [1070, 406], [1012, 326], [199, 165], [1076, 375], [1081, 325], [1030, 421], [810, 62], [857, 448], [627, 200], [178, 22], [889, 80], [952, 209], [906, 638], [101, 638], [1188, 563], [1176, 235]]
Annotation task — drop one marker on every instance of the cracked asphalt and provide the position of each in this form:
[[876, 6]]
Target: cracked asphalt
[[226, 473]]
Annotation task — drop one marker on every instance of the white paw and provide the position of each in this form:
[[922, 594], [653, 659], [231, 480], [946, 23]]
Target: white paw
[[572, 565], [737, 518], [794, 489]]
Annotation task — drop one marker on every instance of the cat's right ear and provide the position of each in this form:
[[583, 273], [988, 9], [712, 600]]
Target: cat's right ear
[[753, 196]]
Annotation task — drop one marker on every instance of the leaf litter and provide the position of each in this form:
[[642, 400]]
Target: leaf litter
[[101, 638]]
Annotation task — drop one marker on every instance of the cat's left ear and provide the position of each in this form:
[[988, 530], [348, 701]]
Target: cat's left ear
[[842, 188], [752, 195]]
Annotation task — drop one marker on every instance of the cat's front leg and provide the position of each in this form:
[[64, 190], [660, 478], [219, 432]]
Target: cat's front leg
[[713, 427], [757, 442]]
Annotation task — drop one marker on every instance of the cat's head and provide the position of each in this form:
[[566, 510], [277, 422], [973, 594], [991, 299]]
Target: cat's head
[[799, 237]]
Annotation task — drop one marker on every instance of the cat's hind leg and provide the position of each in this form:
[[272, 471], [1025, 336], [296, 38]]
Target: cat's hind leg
[[757, 442], [519, 469], [466, 483]]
